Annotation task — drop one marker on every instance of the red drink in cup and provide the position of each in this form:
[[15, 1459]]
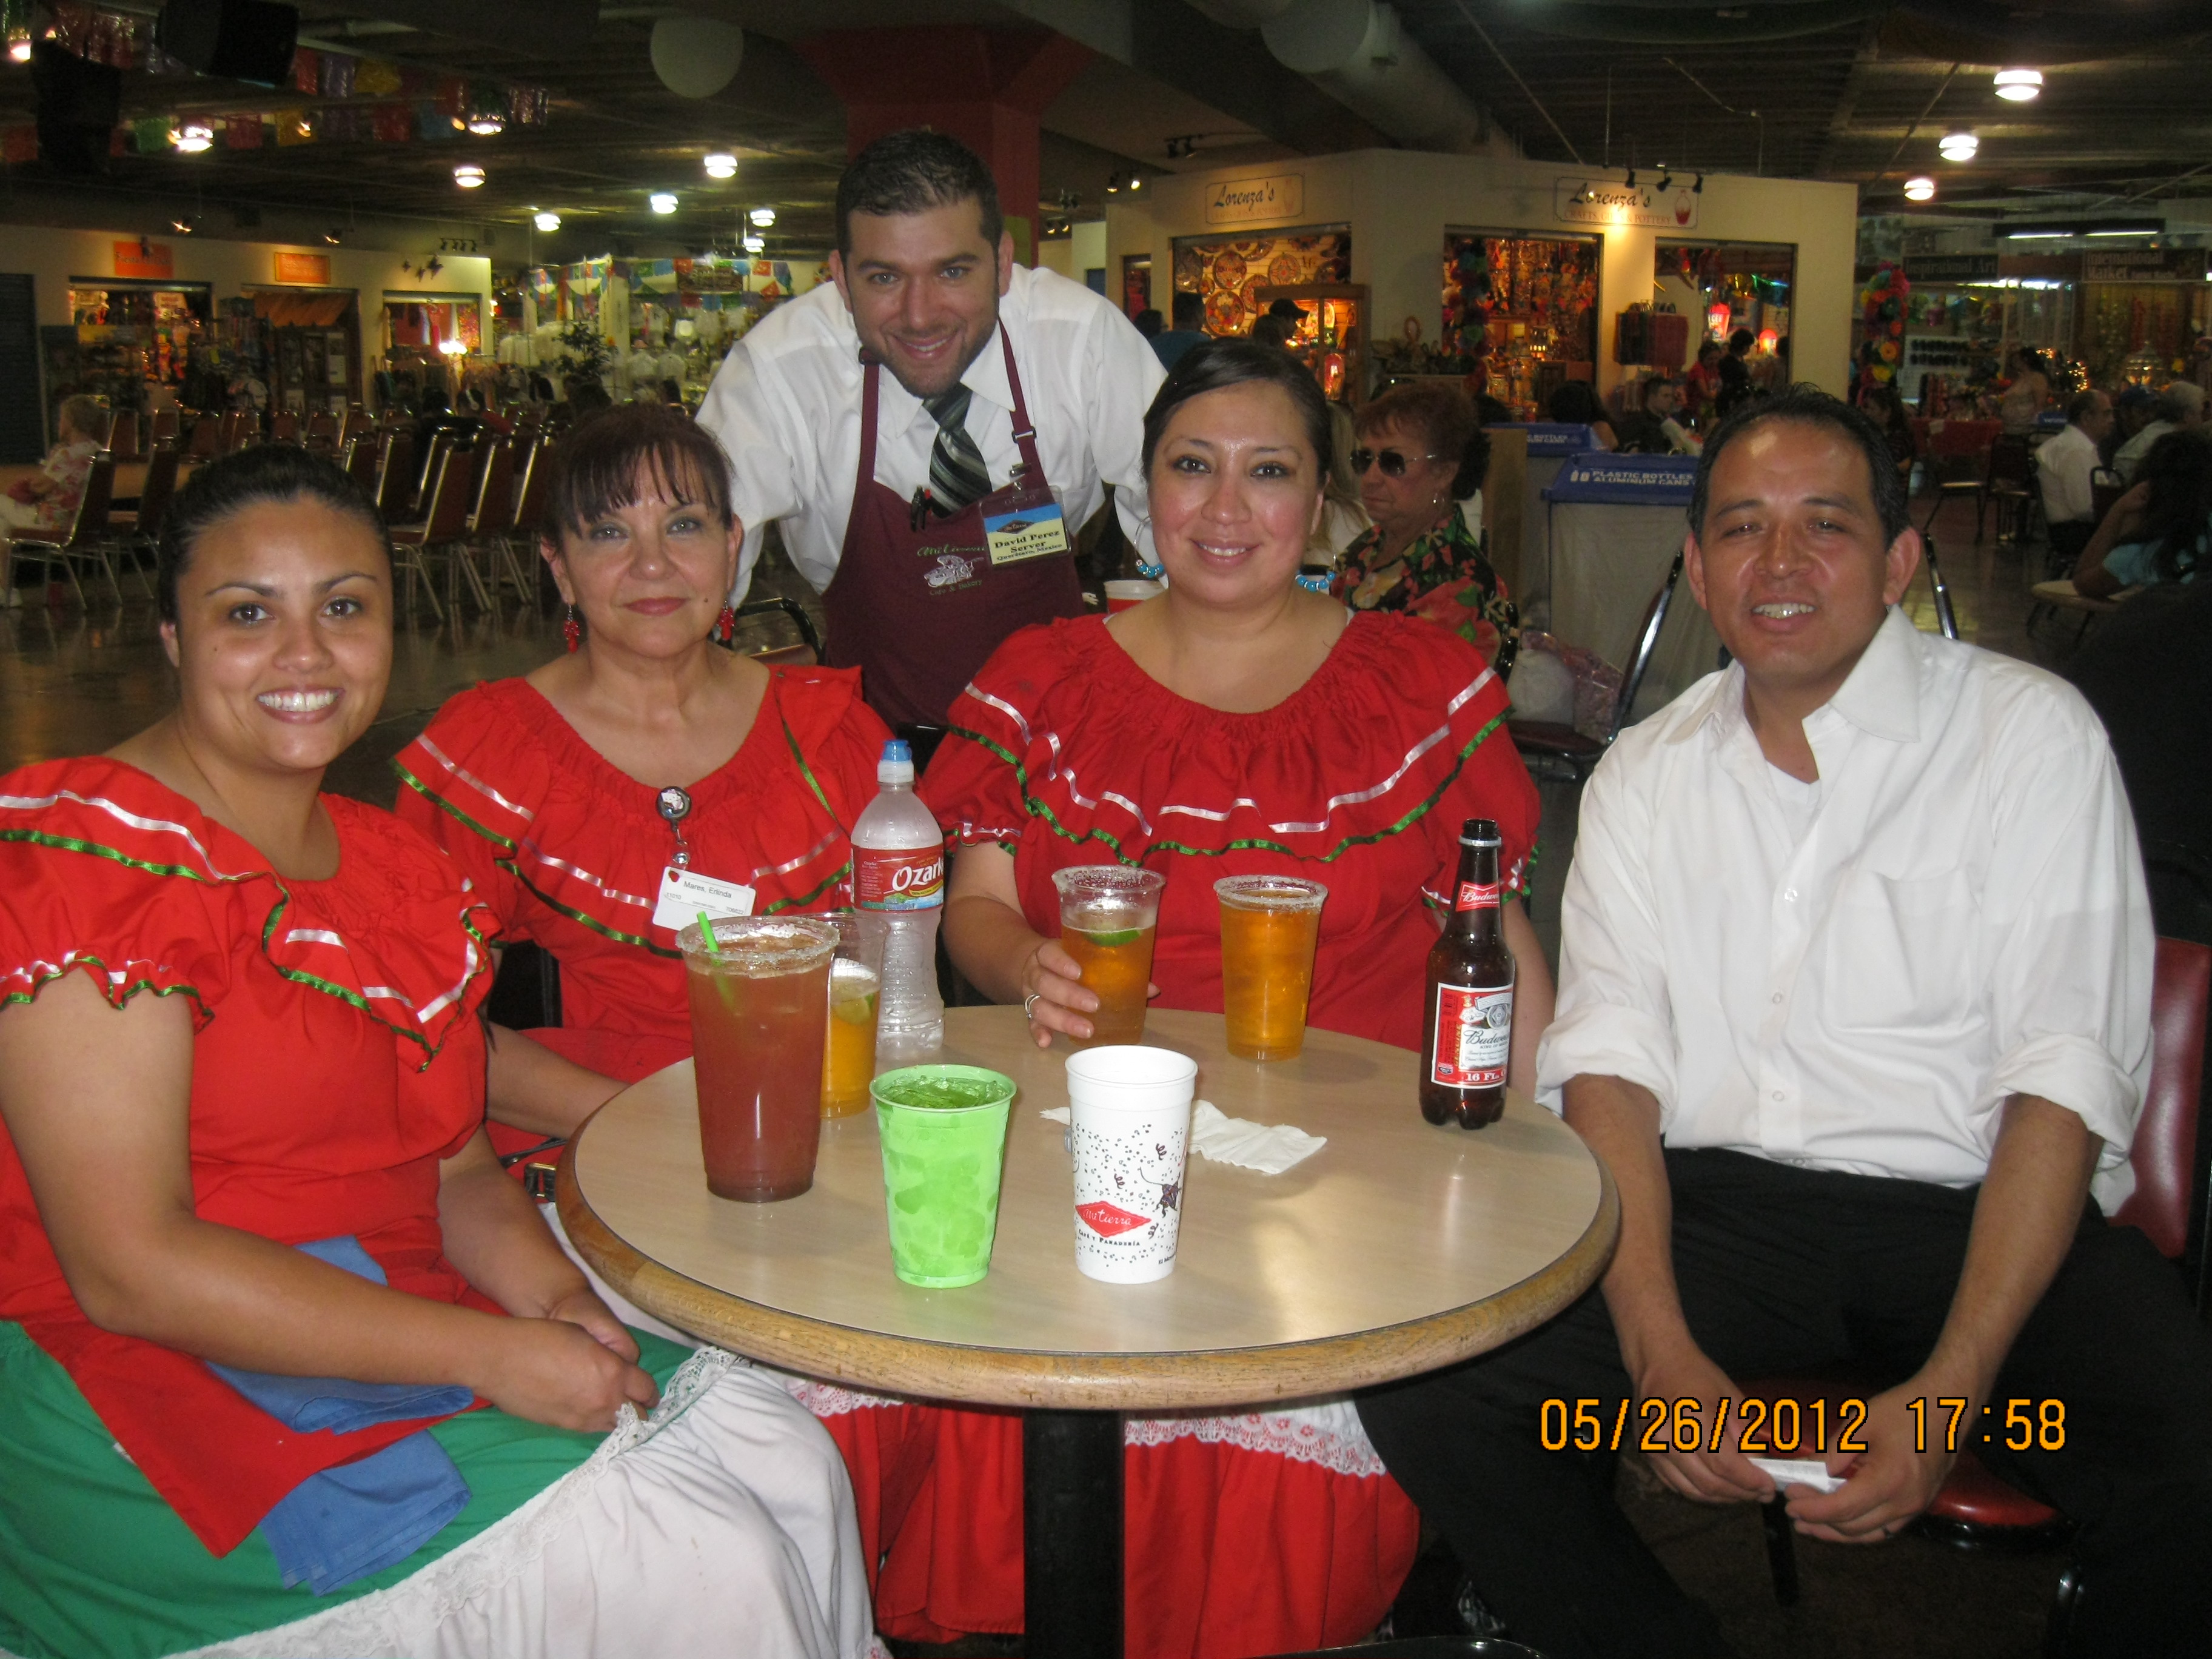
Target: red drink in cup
[[760, 998]]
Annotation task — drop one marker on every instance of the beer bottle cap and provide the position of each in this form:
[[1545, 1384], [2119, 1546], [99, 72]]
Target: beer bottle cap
[[1479, 832]]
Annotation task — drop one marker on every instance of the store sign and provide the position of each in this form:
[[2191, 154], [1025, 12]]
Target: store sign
[[1606, 202], [2146, 264], [312, 269], [1255, 201], [1950, 267], [140, 258]]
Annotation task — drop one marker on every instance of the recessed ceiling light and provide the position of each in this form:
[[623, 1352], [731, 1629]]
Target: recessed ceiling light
[[547, 220], [663, 201], [193, 136], [2019, 85], [1922, 189], [762, 216], [468, 175], [721, 164], [1958, 146]]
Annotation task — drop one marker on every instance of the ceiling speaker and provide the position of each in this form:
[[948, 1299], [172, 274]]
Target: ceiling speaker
[[79, 104], [237, 39]]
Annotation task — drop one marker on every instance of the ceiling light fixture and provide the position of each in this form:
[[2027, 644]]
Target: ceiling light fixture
[[721, 164], [1699, 189], [2041, 233], [1665, 178], [19, 46], [1113, 184], [193, 136], [1922, 189], [334, 237], [2126, 228], [762, 216], [1136, 182], [546, 219], [2017, 86], [1959, 146], [182, 227], [487, 123], [663, 201], [755, 242], [1631, 179], [469, 175]]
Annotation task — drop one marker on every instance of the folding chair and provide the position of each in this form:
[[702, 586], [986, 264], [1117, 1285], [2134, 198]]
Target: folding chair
[[137, 531], [1539, 740], [395, 478], [123, 435], [446, 523], [85, 544]]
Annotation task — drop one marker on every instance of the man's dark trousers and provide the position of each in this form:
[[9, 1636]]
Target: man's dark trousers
[[1783, 1271]]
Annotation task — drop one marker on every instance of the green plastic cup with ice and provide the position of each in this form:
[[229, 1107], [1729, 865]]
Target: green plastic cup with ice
[[944, 1131]]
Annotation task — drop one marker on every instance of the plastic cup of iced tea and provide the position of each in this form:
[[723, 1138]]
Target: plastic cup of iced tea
[[760, 996], [848, 1058], [944, 1131], [1109, 915], [1269, 925]]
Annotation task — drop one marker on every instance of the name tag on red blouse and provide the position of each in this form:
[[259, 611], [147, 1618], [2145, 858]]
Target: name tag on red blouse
[[685, 893]]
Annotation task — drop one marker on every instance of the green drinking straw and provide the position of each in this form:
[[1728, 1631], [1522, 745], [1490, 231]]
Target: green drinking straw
[[707, 927], [729, 991]]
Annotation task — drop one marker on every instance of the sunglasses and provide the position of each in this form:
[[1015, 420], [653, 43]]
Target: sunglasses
[[1393, 464]]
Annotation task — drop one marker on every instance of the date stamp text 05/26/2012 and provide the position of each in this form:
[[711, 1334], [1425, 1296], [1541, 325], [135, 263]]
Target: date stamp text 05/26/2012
[[1817, 1426]]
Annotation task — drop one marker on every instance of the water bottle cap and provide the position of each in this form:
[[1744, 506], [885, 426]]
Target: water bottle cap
[[897, 765]]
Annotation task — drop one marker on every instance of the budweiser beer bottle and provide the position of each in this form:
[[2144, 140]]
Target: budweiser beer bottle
[[1469, 1029]]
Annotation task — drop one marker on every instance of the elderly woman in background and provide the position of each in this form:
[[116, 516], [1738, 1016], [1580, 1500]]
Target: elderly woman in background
[[1419, 455], [242, 1081], [46, 501], [2161, 530], [1235, 725]]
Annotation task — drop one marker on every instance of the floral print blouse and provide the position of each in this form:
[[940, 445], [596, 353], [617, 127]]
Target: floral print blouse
[[1446, 579]]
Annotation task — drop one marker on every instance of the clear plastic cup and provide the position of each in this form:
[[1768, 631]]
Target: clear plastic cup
[[758, 1003], [1109, 916], [856, 977], [1129, 1130], [944, 1131], [1269, 926]]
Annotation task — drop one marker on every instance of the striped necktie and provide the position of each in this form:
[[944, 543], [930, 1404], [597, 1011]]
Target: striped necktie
[[956, 473]]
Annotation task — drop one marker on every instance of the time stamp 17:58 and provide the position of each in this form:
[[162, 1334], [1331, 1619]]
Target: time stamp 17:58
[[1788, 1425]]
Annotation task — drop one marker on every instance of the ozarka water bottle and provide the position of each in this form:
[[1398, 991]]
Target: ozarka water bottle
[[1469, 1031], [898, 871]]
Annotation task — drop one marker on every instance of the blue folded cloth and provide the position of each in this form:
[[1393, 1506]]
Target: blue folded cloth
[[346, 1523]]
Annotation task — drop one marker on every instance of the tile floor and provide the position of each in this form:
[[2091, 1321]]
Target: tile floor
[[73, 683]]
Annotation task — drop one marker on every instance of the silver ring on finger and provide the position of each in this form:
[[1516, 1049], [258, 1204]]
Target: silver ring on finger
[[1029, 1004]]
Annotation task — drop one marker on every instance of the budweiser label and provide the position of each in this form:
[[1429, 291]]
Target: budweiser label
[[1477, 896], [1473, 1030], [909, 879]]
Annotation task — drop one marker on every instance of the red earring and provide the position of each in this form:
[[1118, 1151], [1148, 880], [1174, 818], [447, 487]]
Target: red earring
[[725, 625], [572, 630]]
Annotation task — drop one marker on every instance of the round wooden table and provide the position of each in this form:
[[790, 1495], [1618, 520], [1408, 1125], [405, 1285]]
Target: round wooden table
[[1396, 1248]]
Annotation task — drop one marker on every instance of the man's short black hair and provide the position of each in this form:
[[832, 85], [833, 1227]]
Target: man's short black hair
[[1811, 406], [913, 171], [1191, 311], [2081, 404], [1650, 384]]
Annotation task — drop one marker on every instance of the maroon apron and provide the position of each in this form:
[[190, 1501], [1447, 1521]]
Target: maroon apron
[[918, 608]]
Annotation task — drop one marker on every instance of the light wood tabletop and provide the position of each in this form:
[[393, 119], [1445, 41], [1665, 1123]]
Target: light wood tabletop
[[1396, 1248]]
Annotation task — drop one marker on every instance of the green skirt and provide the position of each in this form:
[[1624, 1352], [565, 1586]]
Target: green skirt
[[94, 1562]]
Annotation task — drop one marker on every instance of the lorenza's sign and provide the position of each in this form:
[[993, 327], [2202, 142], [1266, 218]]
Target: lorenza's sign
[[1602, 202], [1248, 201]]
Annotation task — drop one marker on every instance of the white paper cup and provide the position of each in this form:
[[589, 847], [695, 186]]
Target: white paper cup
[[1129, 1130]]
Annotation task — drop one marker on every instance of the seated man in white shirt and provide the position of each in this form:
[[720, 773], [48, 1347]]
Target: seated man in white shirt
[[1854, 1002], [2063, 469]]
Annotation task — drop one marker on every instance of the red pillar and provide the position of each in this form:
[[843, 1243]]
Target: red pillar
[[986, 87]]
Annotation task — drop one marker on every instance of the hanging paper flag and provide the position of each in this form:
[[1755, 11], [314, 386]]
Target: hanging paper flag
[[782, 273], [374, 79], [151, 136], [453, 96], [432, 122], [394, 124], [19, 144], [527, 107], [295, 126], [622, 269], [307, 69], [349, 124], [338, 72], [242, 131]]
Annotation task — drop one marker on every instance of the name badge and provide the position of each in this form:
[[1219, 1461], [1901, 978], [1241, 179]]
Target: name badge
[[1034, 531], [685, 893]]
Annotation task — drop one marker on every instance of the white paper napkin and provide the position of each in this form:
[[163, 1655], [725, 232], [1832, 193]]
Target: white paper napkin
[[1798, 1472], [1269, 1148]]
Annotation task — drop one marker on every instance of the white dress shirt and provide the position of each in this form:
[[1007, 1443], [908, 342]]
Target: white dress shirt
[[1856, 975], [786, 405], [2062, 467]]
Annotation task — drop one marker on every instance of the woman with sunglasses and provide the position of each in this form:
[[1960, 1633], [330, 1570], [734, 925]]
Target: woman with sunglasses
[[1234, 725], [1421, 453]]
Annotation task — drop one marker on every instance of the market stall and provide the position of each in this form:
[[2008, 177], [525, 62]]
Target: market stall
[[1520, 312], [1230, 273]]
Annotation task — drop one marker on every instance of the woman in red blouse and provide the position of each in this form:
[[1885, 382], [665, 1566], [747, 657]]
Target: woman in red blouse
[[1238, 724], [252, 1238]]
